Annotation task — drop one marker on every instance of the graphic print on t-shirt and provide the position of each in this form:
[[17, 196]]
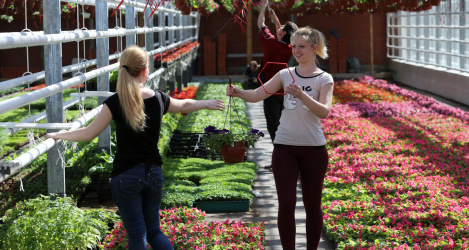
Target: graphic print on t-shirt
[[291, 102]]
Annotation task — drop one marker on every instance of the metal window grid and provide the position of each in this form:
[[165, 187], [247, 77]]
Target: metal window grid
[[437, 37]]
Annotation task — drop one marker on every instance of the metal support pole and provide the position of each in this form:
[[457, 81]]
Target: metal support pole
[[180, 24], [54, 103], [102, 54], [189, 73], [171, 24], [161, 24], [170, 84], [179, 79], [130, 24], [149, 41], [184, 23]]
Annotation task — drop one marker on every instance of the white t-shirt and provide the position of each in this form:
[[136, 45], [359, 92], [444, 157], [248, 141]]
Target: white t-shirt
[[299, 126]]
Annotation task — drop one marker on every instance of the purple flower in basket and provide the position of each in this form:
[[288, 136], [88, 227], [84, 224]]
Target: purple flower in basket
[[256, 131]]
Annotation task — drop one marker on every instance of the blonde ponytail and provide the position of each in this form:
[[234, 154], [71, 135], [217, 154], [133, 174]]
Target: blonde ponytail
[[133, 60], [314, 37]]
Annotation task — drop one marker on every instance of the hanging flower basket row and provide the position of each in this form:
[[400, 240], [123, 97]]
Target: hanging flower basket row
[[170, 56], [206, 7]]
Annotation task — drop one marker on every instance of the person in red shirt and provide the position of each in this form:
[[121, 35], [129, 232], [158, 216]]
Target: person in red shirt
[[275, 50]]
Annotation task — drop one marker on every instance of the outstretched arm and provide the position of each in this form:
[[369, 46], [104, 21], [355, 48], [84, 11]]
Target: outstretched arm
[[256, 95], [88, 133], [261, 18], [274, 18], [190, 105]]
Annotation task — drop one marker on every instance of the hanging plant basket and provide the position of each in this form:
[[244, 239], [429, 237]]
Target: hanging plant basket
[[233, 154], [232, 146]]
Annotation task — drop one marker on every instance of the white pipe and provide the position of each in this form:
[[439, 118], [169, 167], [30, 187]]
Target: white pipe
[[113, 4], [7, 42], [110, 5], [40, 116], [75, 67], [92, 93], [15, 165], [21, 161], [35, 125], [156, 73], [80, 122], [141, 6], [22, 100]]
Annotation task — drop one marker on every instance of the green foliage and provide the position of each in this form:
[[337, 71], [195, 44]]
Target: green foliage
[[199, 120], [113, 75], [188, 180], [53, 223], [3, 140], [170, 123], [104, 166], [14, 89], [224, 191]]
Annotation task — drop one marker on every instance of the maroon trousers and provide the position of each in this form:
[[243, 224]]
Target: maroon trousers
[[311, 163]]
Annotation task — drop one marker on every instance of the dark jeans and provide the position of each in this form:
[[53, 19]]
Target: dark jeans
[[137, 193], [273, 106], [311, 164]]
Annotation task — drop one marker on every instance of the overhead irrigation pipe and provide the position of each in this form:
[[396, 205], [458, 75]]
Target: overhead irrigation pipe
[[22, 100], [141, 6], [41, 33], [156, 73], [114, 3], [38, 117], [7, 42], [29, 78], [107, 93], [35, 125], [14, 166], [92, 2]]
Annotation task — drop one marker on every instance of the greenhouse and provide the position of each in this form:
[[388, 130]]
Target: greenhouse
[[237, 124]]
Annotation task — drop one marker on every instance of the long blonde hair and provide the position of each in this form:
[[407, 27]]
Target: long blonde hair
[[314, 37], [132, 61]]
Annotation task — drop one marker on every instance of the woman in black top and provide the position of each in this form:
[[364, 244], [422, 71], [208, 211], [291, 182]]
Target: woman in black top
[[136, 178]]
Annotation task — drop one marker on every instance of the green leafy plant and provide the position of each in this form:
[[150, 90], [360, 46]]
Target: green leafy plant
[[105, 166], [53, 223], [3, 139], [215, 138]]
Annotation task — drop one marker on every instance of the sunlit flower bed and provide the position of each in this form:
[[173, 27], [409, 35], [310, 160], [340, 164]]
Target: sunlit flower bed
[[398, 174], [186, 229]]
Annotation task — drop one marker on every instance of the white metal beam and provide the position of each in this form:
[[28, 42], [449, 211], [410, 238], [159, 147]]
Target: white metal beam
[[7, 42]]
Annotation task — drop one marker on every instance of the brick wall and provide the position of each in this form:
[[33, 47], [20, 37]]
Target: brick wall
[[354, 29]]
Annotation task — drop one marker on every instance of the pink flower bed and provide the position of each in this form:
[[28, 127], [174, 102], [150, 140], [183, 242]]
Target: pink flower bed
[[186, 229], [398, 175]]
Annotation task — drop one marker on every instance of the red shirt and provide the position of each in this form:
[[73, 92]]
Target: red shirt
[[274, 51]]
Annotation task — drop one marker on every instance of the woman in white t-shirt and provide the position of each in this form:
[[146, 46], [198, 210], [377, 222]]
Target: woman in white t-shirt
[[299, 145]]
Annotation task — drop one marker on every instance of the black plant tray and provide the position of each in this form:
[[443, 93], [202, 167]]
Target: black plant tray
[[190, 145]]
